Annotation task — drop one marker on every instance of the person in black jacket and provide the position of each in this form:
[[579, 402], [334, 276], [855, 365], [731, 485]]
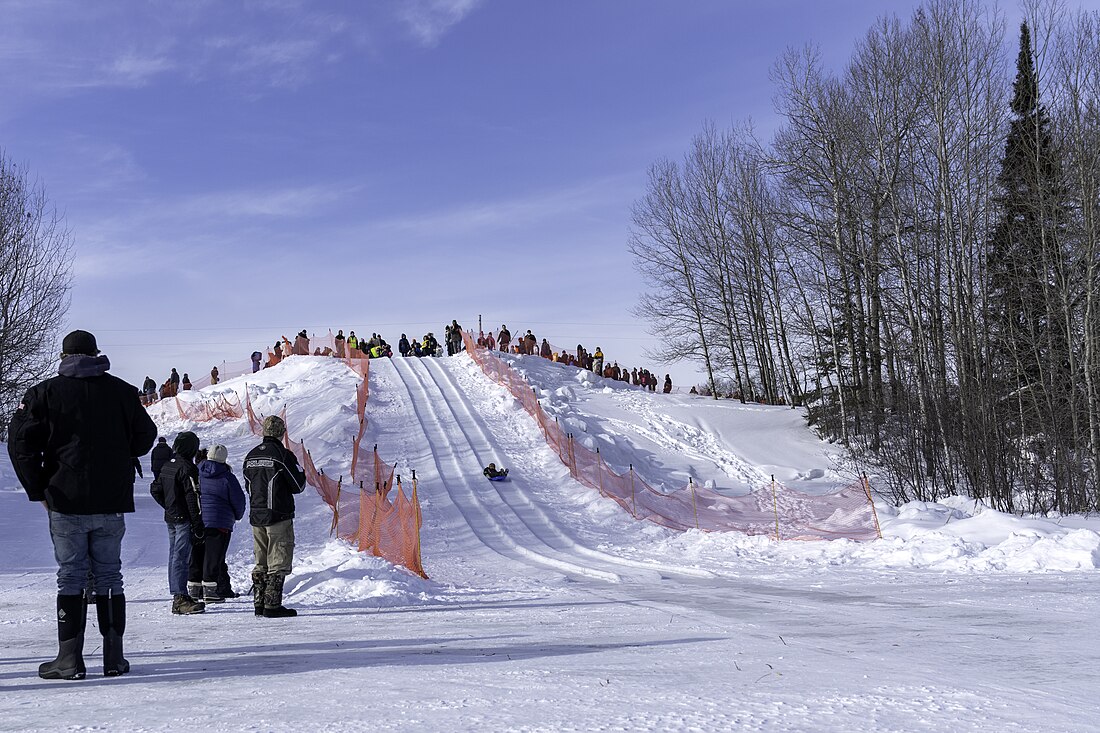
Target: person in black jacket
[[161, 455], [177, 490], [272, 477], [73, 441]]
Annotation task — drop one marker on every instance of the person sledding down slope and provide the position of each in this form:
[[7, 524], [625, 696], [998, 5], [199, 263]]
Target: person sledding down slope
[[493, 473]]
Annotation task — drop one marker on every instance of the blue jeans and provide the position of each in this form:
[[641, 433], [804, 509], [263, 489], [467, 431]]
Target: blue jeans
[[179, 556], [88, 542]]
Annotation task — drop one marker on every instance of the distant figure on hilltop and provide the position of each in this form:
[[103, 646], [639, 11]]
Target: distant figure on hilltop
[[668, 384], [403, 346], [504, 339], [301, 344], [214, 375], [186, 382], [257, 357]]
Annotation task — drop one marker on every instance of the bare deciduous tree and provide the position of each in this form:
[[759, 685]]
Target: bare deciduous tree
[[36, 253]]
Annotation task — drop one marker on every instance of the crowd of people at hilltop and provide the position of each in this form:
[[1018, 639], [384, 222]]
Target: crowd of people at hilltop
[[593, 361], [376, 347]]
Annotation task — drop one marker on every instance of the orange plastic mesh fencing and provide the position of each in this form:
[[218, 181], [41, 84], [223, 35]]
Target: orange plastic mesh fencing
[[778, 511], [382, 521], [204, 408]]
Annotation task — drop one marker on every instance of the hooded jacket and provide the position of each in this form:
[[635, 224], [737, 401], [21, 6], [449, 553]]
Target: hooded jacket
[[73, 439], [220, 495], [177, 490]]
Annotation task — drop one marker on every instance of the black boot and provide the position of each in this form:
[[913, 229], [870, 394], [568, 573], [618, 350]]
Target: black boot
[[259, 585], [225, 585], [273, 599], [72, 611], [111, 611]]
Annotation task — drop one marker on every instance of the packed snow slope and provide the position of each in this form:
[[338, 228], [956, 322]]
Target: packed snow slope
[[549, 608]]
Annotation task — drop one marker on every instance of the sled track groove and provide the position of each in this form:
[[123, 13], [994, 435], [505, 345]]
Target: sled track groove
[[495, 526], [518, 497]]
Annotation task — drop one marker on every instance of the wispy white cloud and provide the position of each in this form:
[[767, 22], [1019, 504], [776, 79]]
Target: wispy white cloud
[[429, 20], [573, 202]]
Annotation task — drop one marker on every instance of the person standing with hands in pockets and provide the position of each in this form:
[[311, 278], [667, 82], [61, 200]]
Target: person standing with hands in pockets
[[73, 441]]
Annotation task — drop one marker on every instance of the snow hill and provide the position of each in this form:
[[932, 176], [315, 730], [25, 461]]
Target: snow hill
[[549, 608]]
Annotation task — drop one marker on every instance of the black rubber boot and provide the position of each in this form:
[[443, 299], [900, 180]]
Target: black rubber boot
[[72, 611], [111, 612], [273, 599], [259, 585]]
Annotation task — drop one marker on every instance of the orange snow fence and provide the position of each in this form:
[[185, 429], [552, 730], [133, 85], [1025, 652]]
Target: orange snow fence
[[775, 510], [370, 509]]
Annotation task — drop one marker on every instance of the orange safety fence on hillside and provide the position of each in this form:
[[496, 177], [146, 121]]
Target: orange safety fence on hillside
[[369, 510], [778, 511]]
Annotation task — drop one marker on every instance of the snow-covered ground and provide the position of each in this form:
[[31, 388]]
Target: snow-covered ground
[[549, 608]]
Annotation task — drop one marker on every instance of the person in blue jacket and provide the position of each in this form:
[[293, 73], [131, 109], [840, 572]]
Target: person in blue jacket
[[223, 504]]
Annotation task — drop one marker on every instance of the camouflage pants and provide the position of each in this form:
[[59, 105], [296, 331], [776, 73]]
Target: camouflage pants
[[274, 547]]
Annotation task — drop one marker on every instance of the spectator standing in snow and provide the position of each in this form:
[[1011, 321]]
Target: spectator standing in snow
[[353, 341], [177, 490], [73, 441], [597, 361], [340, 342], [214, 375], [490, 342], [504, 339], [301, 344], [403, 345], [668, 384], [186, 382], [530, 343], [149, 391], [222, 501], [174, 378], [161, 455], [257, 357], [545, 351], [449, 340], [273, 477]]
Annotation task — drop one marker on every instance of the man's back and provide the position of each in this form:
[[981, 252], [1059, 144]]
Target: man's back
[[74, 437]]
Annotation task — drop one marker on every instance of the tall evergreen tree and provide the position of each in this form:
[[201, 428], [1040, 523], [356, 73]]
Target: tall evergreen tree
[[1026, 351]]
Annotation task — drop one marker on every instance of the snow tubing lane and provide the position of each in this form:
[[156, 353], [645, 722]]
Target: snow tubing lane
[[470, 422], [467, 499]]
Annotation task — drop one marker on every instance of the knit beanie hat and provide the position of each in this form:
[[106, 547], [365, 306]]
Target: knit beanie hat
[[186, 444], [217, 453], [79, 342], [274, 427]]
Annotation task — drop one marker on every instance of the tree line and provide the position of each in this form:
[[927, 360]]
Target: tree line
[[914, 255]]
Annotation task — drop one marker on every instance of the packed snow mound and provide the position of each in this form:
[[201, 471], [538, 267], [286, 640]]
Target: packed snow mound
[[736, 448], [669, 438], [319, 396]]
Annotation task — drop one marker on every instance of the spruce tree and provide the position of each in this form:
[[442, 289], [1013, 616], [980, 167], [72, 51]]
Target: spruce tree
[[1026, 353]]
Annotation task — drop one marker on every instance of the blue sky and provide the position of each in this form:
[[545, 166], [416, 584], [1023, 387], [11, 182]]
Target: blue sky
[[234, 171]]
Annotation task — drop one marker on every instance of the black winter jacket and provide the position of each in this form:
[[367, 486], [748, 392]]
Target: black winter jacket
[[177, 490], [161, 455], [271, 477], [73, 439]]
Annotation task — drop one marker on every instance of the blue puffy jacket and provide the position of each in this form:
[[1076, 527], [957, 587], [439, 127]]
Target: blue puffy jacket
[[220, 495]]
